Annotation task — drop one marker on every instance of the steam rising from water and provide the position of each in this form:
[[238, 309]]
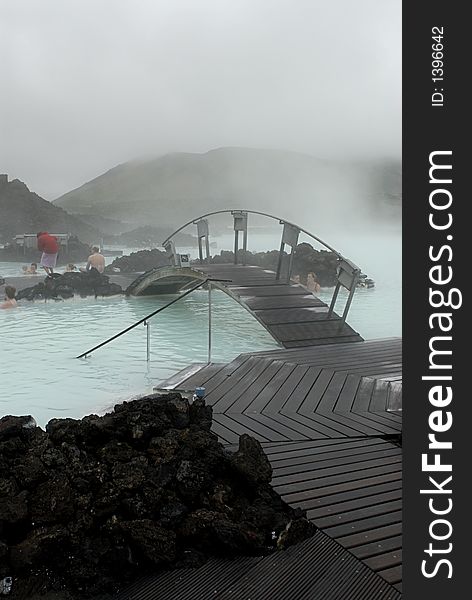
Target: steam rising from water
[[87, 85]]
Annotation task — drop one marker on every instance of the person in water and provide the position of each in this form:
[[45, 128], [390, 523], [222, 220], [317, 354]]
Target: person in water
[[49, 247], [70, 268], [95, 261], [31, 270], [10, 301], [312, 283]]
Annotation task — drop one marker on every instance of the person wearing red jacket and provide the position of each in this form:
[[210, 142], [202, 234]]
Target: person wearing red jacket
[[49, 247]]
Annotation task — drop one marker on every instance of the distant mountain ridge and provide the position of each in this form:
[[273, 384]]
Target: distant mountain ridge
[[23, 211], [173, 188]]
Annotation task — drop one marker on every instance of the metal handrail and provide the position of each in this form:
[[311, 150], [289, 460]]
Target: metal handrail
[[143, 320], [348, 272], [256, 212]]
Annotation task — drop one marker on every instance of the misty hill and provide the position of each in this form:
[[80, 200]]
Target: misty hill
[[103, 224], [174, 188], [146, 236], [22, 211]]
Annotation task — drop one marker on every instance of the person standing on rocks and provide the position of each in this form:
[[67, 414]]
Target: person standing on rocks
[[10, 301], [49, 247]]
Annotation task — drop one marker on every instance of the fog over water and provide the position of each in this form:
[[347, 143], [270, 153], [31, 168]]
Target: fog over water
[[87, 85]]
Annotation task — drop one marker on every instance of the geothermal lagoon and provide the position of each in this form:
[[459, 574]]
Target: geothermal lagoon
[[41, 376]]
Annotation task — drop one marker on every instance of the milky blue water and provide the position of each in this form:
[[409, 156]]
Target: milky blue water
[[39, 341], [375, 312], [40, 375]]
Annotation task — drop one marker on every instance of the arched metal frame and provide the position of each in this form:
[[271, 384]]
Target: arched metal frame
[[254, 212], [347, 274], [290, 235]]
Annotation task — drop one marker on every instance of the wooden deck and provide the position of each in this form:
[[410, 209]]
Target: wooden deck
[[317, 569], [290, 313], [322, 416]]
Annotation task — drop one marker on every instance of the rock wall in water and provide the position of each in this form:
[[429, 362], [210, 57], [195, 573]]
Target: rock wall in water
[[64, 286]]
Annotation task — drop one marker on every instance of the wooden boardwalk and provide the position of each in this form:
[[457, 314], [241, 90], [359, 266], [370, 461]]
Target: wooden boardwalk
[[316, 569], [290, 313], [322, 416]]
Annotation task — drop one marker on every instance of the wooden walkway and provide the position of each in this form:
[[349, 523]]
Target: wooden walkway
[[322, 416], [316, 569], [290, 313]]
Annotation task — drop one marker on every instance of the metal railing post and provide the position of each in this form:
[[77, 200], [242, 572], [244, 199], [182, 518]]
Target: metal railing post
[[200, 250], [236, 246], [290, 265], [209, 322], [350, 297], [147, 324], [244, 246], [279, 262], [146, 319], [333, 300]]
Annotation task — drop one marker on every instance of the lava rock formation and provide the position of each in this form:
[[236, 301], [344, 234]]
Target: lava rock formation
[[89, 505], [91, 283]]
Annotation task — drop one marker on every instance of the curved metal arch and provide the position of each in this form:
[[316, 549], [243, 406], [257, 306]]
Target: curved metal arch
[[255, 212]]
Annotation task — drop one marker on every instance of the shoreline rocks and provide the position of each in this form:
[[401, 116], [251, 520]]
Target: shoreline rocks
[[143, 260], [67, 285], [89, 505], [306, 260]]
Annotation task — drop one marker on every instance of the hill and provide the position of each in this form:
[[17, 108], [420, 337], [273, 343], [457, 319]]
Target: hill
[[171, 189], [148, 236], [23, 211]]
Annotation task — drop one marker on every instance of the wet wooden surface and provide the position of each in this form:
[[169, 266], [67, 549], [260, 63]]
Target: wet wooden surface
[[322, 415]]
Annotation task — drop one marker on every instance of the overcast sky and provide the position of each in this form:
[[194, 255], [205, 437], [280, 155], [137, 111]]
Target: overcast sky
[[88, 84]]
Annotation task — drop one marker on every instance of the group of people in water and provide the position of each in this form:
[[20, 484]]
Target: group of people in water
[[33, 269], [312, 282], [49, 247]]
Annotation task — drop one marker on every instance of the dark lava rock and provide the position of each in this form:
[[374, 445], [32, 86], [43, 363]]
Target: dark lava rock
[[143, 260], [306, 259], [89, 505], [321, 262], [251, 462], [67, 285], [15, 427]]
